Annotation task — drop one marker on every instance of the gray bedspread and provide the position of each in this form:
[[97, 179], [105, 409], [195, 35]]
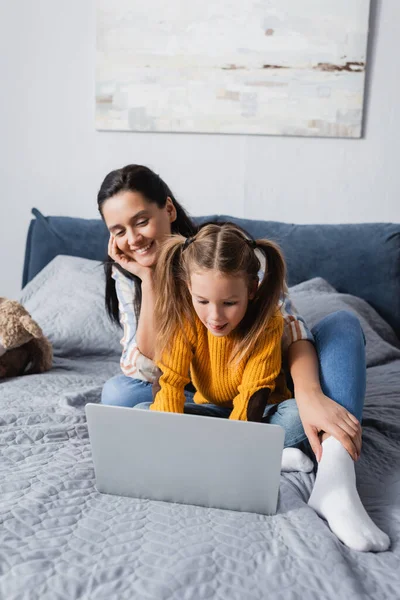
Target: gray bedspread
[[61, 539]]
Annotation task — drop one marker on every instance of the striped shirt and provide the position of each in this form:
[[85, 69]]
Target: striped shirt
[[136, 365]]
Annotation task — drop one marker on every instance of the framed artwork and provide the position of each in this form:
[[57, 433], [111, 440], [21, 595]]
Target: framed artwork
[[276, 67]]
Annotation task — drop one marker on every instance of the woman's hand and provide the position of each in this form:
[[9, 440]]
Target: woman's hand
[[319, 413], [126, 262]]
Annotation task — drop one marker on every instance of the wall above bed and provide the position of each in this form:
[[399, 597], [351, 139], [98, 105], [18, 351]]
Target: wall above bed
[[53, 157]]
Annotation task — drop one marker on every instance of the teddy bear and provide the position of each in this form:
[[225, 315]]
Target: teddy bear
[[24, 349]]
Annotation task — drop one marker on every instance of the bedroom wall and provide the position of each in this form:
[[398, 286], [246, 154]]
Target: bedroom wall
[[52, 158]]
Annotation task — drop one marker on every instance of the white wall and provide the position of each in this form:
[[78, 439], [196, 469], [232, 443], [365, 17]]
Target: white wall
[[52, 158]]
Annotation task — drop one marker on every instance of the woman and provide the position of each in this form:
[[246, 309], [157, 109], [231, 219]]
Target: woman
[[329, 378]]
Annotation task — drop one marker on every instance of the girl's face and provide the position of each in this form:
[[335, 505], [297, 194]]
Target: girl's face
[[220, 300], [138, 225]]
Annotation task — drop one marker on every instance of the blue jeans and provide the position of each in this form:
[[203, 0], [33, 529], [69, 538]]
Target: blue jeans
[[125, 391], [285, 414], [340, 346]]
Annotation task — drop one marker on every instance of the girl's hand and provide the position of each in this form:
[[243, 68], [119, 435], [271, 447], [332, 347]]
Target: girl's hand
[[126, 262], [319, 413]]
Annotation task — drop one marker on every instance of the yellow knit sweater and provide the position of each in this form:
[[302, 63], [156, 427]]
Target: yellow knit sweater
[[217, 381]]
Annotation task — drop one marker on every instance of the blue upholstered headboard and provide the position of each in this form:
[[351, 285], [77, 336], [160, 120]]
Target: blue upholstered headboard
[[359, 259]]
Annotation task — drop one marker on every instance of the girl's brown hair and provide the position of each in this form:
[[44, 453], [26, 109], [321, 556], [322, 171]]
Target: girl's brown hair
[[226, 248]]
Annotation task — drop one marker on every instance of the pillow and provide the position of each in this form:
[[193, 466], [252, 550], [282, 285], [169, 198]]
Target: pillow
[[316, 298], [67, 300], [51, 236]]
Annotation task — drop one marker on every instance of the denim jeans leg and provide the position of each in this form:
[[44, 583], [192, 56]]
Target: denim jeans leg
[[340, 345], [146, 404], [191, 408], [207, 410], [125, 391], [143, 405], [286, 414]]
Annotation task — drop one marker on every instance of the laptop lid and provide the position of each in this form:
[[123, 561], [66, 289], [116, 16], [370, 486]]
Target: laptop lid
[[188, 459]]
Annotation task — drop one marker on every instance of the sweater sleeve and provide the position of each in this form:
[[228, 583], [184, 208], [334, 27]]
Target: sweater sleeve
[[295, 327], [133, 363], [261, 370], [174, 366]]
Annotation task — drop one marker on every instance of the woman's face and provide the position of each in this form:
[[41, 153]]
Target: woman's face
[[138, 225]]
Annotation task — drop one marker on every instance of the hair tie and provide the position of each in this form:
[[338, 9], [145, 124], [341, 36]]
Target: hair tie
[[251, 243], [187, 243]]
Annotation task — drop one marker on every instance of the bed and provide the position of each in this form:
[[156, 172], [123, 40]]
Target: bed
[[61, 539]]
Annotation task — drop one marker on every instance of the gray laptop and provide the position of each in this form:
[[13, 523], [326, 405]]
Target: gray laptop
[[188, 459]]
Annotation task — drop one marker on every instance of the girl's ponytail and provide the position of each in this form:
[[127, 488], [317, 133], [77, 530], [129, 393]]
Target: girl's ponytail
[[273, 284], [173, 303], [266, 300]]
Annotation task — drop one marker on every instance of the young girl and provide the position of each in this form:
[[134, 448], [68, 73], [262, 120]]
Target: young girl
[[216, 320]]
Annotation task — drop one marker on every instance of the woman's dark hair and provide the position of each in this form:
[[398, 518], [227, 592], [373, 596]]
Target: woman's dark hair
[[137, 178]]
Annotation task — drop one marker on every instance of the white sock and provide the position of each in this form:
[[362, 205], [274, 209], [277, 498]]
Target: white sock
[[294, 459], [335, 498]]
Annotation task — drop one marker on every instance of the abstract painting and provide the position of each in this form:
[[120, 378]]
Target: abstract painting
[[276, 67]]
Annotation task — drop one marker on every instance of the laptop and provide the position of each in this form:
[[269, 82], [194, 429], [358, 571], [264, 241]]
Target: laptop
[[188, 459]]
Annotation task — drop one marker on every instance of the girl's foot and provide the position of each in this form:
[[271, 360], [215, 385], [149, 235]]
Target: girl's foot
[[335, 498], [294, 459]]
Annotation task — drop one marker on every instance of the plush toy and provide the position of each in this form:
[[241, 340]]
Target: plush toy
[[23, 347]]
